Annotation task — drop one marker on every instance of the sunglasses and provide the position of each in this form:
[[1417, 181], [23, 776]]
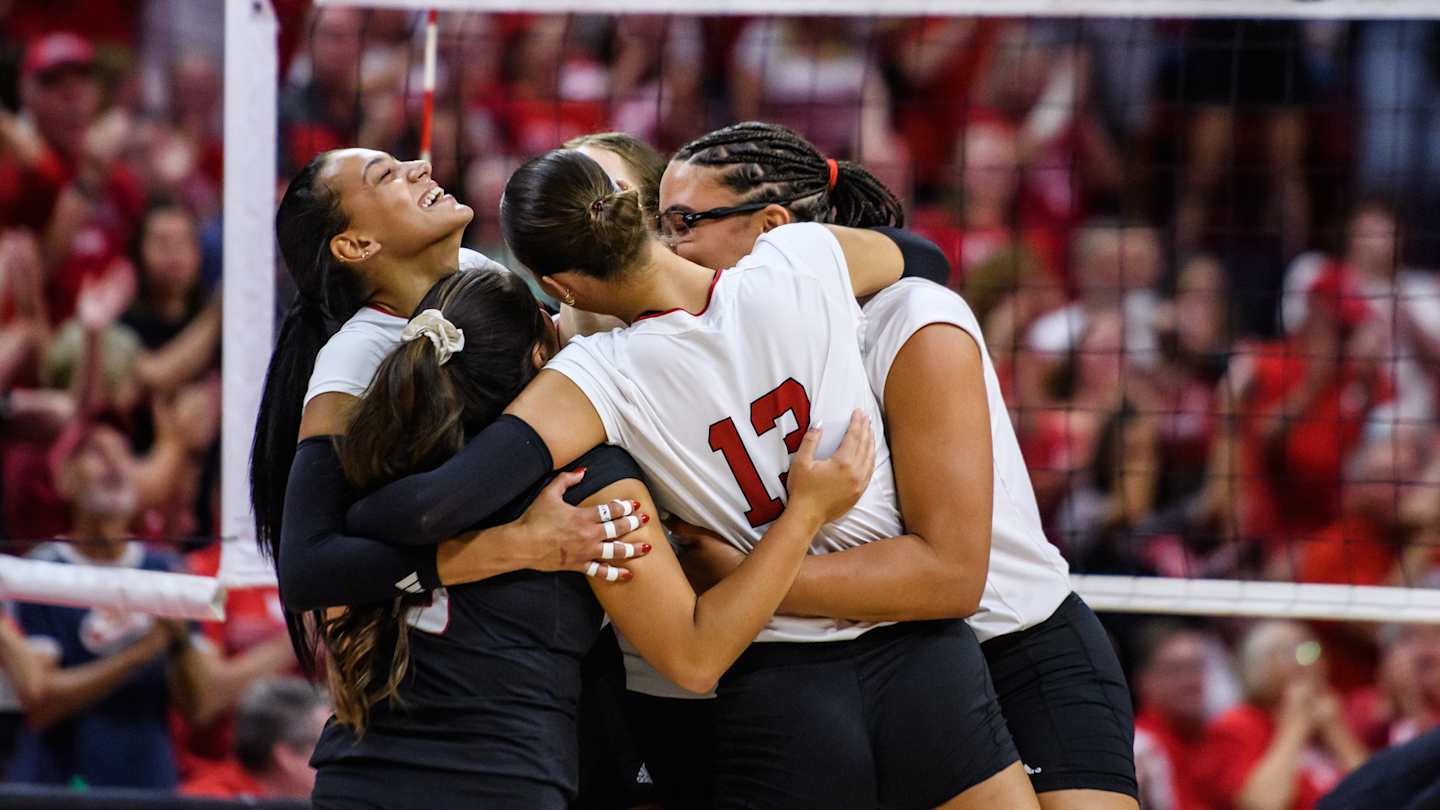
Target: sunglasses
[[675, 224]]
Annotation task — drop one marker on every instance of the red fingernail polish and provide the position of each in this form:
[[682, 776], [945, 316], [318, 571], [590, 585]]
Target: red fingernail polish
[[644, 519], [581, 470], [644, 548], [626, 576], [635, 505]]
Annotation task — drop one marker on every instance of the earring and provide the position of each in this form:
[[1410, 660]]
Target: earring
[[568, 298]]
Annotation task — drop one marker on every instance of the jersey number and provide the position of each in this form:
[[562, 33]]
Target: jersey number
[[765, 412]]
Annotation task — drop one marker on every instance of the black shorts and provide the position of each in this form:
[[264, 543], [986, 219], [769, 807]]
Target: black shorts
[[364, 784], [1066, 702], [903, 716], [676, 740], [613, 774]]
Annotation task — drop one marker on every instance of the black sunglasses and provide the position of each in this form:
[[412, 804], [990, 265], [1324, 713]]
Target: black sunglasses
[[674, 224]]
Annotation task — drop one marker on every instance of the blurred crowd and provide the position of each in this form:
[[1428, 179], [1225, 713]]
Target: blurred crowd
[[1198, 250]]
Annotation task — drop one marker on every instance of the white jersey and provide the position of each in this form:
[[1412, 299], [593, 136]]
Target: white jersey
[[713, 404], [1028, 578], [348, 361]]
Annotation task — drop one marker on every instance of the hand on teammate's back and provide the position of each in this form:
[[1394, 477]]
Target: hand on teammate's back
[[555, 536], [831, 487]]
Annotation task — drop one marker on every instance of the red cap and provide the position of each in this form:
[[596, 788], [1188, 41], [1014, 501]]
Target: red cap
[[1334, 289], [57, 50]]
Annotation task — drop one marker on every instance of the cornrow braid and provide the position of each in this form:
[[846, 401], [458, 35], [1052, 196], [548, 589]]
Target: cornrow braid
[[770, 162]]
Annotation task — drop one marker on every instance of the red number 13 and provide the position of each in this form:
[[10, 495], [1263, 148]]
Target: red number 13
[[790, 397]]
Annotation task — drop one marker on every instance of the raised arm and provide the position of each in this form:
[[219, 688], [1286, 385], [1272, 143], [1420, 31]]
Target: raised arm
[[549, 425], [692, 640]]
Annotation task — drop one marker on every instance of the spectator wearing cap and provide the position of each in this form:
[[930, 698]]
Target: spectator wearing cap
[[1301, 406], [1405, 300], [1287, 744], [59, 170], [277, 725]]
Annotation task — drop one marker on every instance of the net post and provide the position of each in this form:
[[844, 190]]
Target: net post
[[251, 88]]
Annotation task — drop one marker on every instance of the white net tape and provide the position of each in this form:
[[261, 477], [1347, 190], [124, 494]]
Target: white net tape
[[175, 596]]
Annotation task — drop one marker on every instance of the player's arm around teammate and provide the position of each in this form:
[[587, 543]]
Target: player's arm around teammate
[[693, 639]]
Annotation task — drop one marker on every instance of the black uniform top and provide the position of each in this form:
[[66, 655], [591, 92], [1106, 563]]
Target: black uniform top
[[494, 679]]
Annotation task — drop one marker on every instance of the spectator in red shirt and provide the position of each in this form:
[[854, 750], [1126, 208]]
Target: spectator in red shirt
[[1287, 744], [1170, 726], [59, 173], [1405, 702], [1303, 404], [1364, 546], [986, 218], [276, 727]]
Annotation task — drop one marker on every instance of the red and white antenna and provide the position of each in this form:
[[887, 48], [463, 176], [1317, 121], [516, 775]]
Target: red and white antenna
[[427, 112]]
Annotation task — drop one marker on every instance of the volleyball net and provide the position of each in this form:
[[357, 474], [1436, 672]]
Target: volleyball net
[[1195, 232]]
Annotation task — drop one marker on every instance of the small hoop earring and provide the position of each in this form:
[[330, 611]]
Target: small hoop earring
[[568, 298]]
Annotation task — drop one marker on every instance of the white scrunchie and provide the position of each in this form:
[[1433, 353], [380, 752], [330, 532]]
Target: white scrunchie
[[445, 336]]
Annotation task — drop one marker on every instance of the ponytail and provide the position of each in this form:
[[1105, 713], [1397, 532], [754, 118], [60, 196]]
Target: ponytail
[[309, 216], [416, 415], [770, 162]]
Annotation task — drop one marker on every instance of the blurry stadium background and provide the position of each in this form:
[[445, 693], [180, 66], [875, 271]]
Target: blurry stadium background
[[1202, 250]]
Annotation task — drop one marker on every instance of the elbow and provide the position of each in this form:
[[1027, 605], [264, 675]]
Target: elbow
[[696, 676], [296, 594]]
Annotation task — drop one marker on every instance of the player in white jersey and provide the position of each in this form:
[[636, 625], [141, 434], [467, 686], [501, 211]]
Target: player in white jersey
[[710, 389], [364, 236], [1057, 676]]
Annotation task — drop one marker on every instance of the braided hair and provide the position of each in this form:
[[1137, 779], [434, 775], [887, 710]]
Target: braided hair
[[769, 162]]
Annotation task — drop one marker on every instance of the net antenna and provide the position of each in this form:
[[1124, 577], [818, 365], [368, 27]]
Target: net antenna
[[427, 111]]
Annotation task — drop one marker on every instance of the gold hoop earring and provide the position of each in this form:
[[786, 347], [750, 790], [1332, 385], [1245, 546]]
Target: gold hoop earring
[[568, 298]]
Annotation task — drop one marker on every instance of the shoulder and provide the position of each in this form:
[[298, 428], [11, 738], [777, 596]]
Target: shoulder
[[475, 260], [49, 552], [605, 465], [916, 300], [799, 244]]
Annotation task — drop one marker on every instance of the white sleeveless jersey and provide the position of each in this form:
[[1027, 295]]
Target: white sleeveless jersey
[[1028, 578], [348, 361], [714, 404]]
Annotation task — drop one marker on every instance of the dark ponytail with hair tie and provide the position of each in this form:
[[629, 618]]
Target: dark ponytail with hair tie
[[309, 216]]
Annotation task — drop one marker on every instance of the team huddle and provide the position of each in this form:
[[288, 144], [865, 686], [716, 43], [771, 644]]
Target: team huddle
[[744, 525]]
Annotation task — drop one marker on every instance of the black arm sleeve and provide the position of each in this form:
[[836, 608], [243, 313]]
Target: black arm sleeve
[[499, 464], [923, 258], [319, 565]]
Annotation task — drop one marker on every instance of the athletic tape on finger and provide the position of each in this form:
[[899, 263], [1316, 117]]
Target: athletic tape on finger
[[607, 551], [628, 548], [626, 508], [592, 569], [610, 530], [633, 521], [604, 513], [611, 573]]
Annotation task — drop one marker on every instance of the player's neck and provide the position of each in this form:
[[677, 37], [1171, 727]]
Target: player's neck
[[665, 282], [406, 286]]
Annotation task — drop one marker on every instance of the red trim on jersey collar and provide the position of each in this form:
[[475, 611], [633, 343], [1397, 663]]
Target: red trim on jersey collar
[[384, 310], [708, 295]]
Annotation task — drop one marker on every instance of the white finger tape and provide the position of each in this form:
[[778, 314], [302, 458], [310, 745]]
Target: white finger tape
[[604, 513], [611, 573], [607, 551], [592, 569], [634, 522], [627, 506], [610, 530], [629, 550]]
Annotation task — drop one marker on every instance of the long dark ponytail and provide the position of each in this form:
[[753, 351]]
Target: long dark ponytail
[[416, 415], [327, 295], [770, 162]]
